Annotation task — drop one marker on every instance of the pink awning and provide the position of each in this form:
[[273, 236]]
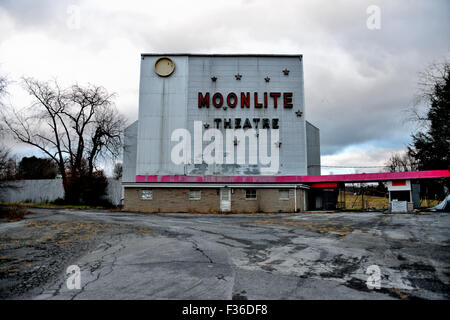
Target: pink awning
[[357, 177]]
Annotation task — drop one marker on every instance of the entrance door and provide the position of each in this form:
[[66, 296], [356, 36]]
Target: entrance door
[[318, 202], [225, 199]]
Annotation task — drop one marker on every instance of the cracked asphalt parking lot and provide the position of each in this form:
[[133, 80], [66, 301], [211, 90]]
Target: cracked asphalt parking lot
[[261, 256]]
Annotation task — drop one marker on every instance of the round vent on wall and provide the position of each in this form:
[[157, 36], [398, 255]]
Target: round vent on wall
[[164, 67]]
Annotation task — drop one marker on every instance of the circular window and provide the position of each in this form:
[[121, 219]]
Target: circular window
[[164, 67]]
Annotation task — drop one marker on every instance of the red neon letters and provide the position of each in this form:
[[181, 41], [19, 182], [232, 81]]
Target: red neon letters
[[268, 99]]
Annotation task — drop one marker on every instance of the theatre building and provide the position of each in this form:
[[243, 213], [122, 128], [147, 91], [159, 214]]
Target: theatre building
[[217, 133], [226, 133]]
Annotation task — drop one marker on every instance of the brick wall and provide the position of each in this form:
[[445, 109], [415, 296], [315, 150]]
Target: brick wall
[[177, 200]]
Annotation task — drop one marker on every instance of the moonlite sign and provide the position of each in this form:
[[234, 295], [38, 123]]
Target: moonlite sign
[[246, 100]]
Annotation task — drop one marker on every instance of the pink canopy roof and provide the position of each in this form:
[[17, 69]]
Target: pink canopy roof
[[358, 177]]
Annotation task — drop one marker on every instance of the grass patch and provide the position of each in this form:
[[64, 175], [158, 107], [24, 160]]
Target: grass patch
[[320, 227], [51, 206], [353, 202], [12, 212]]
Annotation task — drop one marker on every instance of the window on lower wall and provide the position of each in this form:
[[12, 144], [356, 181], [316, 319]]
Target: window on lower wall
[[195, 194], [146, 194], [250, 194], [283, 194]]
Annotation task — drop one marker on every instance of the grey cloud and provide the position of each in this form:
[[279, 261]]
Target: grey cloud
[[36, 13], [358, 81]]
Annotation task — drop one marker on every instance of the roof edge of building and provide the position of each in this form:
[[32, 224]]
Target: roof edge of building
[[214, 185], [312, 125], [293, 179], [221, 55]]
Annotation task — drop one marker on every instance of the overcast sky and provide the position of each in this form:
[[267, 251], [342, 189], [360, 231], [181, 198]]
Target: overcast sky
[[359, 82]]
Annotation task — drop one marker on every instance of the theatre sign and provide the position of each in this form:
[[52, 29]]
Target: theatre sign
[[221, 115]]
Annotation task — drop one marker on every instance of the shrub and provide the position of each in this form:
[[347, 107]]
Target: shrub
[[87, 190], [12, 212], [59, 201]]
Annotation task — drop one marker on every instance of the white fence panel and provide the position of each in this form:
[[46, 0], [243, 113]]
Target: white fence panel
[[47, 190]]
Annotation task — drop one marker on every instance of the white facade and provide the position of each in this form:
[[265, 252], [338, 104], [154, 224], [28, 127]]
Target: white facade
[[172, 102]]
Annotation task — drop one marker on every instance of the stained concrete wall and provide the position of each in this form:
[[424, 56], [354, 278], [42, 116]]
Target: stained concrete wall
[[47, 190], [254, 70], [162, 109], [313, 150], [130, 153], [169, 103]]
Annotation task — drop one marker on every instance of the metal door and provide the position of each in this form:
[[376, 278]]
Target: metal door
[[225, 199], [318, 202]]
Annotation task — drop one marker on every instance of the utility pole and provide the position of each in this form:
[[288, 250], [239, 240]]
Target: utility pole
[[362, 196]]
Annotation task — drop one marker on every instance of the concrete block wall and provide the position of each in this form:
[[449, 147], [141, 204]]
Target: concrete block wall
[[177, 200], [171, 200]]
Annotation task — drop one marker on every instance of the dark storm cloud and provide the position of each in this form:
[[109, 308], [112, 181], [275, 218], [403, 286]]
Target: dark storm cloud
[[360, 87], [369, 99], [358, 82], [36, 13]]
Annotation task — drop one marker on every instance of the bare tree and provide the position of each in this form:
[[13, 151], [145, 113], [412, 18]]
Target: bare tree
[[118, 171], [434, 75], [8, 169], [75, 127], [3, 85], [7, 164], [401, 162]]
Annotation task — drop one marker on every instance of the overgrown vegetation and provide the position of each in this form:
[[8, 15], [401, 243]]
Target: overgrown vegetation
[[36, 168], [7, 163], [75, 128], [431, 146], [57, 204], [12, 212], [430, 149], [354, 201]]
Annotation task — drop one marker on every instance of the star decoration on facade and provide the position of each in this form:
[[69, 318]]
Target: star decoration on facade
[[278, 144], [238, 76], [267, 79], [286, 72], [298, 113], [206, 125], [214, 79]]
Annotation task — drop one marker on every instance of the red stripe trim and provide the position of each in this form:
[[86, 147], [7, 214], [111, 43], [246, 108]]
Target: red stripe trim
[[399, 183], [385, 176], [324, 185]]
